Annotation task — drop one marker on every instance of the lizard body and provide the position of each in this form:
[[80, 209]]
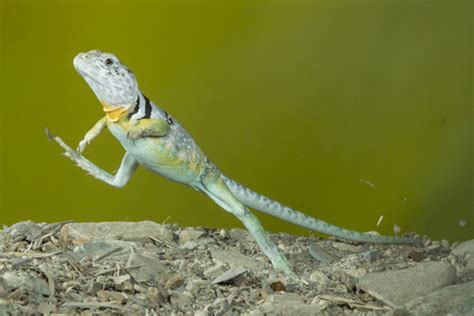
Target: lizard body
[[154, 139]]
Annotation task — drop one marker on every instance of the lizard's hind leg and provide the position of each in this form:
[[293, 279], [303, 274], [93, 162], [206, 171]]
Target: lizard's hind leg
[[218, 191]]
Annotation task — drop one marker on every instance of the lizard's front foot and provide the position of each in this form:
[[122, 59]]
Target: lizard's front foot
[[71, 153]]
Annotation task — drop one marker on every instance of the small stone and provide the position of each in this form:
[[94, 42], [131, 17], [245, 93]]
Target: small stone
[[189, 245], [106, 296], [238, 234], [229, 275], [223, 233], [121, 279], [285, 297], [445, 244], [277, 286], [388, 253], [434, 248], [174, 282], [46, 308], [416, 256], [356, 273], [371, 255], [194, 285], [156, 295], [320, 278], [189, 234], [427, 242]]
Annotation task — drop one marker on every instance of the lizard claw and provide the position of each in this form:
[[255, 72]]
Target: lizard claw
[[49, 135], [82, 145]]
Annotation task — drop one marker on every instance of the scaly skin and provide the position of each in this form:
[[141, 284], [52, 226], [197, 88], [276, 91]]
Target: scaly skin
[[152, 138]]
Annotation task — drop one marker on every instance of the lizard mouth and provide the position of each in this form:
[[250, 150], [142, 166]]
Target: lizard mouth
[[88, 77]]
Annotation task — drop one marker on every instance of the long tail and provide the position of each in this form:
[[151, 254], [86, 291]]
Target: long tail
[[272, 207]]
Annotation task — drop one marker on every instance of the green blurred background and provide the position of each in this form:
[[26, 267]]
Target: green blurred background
[[345, 110]]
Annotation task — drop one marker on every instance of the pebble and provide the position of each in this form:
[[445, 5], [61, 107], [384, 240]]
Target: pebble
[[190, 234], [416, 256], [238, 234], [371, 255], [190, 245], [319, 277]]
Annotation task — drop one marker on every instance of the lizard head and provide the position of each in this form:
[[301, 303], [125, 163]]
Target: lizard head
[[112, 82]]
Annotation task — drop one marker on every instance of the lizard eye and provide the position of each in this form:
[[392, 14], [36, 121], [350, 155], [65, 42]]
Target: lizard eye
[[108, 61]]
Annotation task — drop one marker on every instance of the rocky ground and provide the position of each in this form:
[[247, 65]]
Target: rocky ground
[[148, 268]]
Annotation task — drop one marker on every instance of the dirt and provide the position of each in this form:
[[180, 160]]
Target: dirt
[[148, 268]]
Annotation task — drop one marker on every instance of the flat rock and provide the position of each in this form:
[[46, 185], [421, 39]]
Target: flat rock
[[398, 287], [285, 297], [229, 275], [451, 300], [235, 259], [320, 254], [132, 231], [342, 246], [146, 269], [464, 248], [99, 248], [214, 271], [26, 229]]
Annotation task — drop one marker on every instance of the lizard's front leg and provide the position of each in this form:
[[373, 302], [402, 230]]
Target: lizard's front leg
[[91, 134], [127, 167]]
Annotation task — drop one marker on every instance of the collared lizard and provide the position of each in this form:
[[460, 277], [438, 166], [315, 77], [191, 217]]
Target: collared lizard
[[154, 139]]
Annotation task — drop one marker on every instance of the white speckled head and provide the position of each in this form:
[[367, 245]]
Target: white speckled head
[[112, 82]]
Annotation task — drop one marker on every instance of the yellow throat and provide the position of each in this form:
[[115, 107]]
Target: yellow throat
[[114, 112]]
